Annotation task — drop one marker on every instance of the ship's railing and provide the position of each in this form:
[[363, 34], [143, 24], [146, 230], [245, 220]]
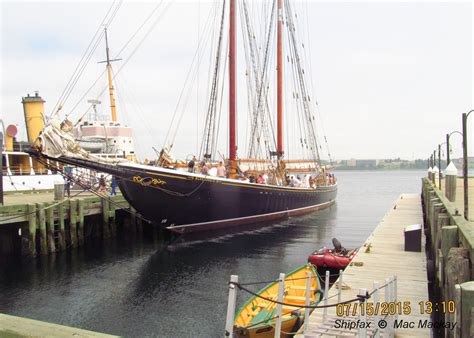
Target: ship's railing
[[383, 324]]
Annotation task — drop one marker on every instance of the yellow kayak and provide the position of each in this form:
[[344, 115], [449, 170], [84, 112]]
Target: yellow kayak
[[256, 317]]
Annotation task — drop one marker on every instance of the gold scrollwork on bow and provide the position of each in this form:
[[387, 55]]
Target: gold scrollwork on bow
[[146, 181]]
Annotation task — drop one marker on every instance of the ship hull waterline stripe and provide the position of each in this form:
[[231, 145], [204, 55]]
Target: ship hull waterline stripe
[[181, 229]]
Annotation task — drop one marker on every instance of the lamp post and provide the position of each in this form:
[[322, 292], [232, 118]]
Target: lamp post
[[434, 166], [439, 165], [448, 160], [464, 167]]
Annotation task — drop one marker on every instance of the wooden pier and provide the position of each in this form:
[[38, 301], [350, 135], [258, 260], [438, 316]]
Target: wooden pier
[[48, 226], [12, 326], [382, 256]]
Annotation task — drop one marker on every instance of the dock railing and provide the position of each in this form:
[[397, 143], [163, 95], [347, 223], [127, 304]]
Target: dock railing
[[383, 321]]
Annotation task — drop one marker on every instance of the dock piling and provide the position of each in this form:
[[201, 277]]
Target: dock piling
[[42, 228], [62, 231], [80, 230], [376, 300], [31, 230], [281, 289], [50, 228], [326, 294], [340, 281], [362, 330], [307, 303], [73, 222], [113, 225], [229, 323], [105, 218]]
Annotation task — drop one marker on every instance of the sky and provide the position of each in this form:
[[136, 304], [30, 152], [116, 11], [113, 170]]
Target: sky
[[390, 78]]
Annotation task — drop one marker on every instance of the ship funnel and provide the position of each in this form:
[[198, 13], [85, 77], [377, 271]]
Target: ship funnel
[[9, 136], [33, 107]]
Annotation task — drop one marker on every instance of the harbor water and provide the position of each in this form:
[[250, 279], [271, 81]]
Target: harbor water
[[142, 286]]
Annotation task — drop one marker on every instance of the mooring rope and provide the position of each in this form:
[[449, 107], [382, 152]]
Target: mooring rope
[[358, 298]]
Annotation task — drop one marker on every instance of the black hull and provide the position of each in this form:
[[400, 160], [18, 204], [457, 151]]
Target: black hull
[[185, 203], [205, 203]]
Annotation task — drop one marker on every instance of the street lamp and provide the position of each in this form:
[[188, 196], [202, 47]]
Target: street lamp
[[439, 164], [434, 170], [447, 145], [464, 155]]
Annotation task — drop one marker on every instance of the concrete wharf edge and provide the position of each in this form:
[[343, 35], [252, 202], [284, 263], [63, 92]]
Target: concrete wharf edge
[[386, 257], [12, 326]]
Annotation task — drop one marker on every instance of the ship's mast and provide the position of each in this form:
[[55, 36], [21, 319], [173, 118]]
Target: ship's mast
[[109, 73], [279, 82], [232, 143]]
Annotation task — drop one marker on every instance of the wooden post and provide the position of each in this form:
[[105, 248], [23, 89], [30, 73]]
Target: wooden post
[[388, 299], [395, 293], [105, 218], [451, 182], [229, 323], [467, 302], [458, 307], [449, 239], [50, 229], [32, 230], [73, 222], [279, 307], [326, 294], [339, 282], [362, 330], [42, 228], [80, 231], [62, 231], [376, 300], [308, 302], [113, 225]]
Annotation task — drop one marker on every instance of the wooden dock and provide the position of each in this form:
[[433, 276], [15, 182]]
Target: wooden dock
[[12, 326], [383, 256], [48, 226]]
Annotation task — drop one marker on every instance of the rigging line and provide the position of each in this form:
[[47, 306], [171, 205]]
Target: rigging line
[[123, 65], [82, 68], [91, 53], [132, 98], [83, 96], [186, 80], [306, 51], [211, 111], [263, 82], [296, 94], [259, 78], [82, 58], [250, 88], [139, 28], [222, 100], [197, 80], [310, 117]]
